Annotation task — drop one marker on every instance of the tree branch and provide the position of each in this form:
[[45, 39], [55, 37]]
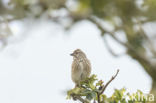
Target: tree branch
[[77, 97], [103, 88], [112, 34], [144, 61], [110, 50], [98, 97]]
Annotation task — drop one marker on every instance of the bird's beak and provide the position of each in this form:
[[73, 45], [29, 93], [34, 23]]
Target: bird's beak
[[72, 54]]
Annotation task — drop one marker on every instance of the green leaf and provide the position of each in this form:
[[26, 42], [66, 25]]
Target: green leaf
[[91, 95]]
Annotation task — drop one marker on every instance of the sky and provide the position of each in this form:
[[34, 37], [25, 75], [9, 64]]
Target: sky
[[37, 68]]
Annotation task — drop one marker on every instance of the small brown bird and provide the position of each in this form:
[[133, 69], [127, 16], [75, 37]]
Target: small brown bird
[[81, 67]]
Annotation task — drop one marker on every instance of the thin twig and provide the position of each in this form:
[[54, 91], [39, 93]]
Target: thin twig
[[105, 86]]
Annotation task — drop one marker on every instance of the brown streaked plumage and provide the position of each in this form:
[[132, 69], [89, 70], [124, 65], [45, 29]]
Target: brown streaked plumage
[[81, 67]]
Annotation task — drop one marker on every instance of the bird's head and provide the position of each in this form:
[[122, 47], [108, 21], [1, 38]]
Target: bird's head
[[78, 54]]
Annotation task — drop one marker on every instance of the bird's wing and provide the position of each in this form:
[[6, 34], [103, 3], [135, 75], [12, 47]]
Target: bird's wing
[[76, 71], [87, 68]]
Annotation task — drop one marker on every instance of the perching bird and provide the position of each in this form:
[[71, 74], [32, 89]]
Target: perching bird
[[81, 67]]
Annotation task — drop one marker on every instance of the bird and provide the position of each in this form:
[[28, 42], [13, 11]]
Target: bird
[[81, 67]]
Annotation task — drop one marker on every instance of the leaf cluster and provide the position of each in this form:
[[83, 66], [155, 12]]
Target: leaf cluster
[[91, 87]]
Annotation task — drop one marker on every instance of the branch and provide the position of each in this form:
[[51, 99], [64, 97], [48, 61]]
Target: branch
[[105, 86], [112, 34], [110, 50], [144, 61], [93, 94], [150, 44], [98, 98], [77, 97]]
